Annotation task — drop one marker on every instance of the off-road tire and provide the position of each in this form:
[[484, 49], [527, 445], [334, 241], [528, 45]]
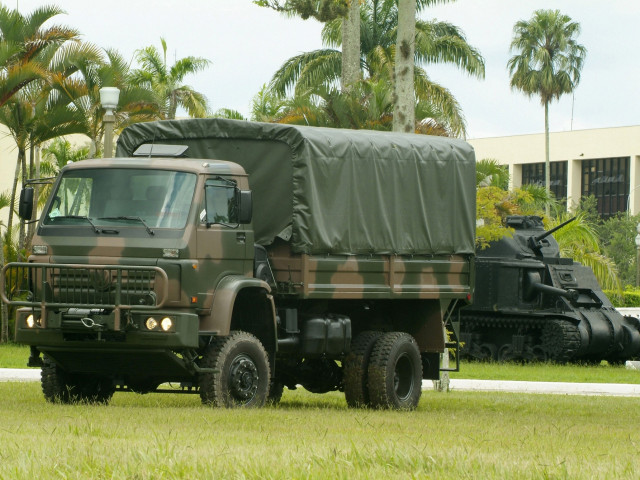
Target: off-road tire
[[59, 386], [355, 369], [395, 372], [561, 340], [241, 372]]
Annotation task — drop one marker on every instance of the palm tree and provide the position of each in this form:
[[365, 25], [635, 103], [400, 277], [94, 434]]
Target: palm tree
[[166, 81], [404, 115], [82, 90], [23, 43], [5, 202], [490, 172], [579, 240], [548, 62], [435, 42]]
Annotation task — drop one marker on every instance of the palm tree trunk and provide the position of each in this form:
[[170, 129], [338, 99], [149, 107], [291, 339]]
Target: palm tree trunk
[[547, 163], [14, 188], [351, 46], [404, 96], [22, 234], [4, 312]]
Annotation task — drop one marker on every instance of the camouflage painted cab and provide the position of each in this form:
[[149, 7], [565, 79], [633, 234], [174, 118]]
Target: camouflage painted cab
[[259, 256], [530, 303]]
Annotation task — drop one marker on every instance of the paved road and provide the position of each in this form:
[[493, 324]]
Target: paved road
[[611, 389]]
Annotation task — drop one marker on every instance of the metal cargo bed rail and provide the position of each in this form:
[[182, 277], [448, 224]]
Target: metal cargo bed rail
[[109, 287]]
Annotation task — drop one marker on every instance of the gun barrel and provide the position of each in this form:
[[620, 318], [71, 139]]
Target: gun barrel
[[569, 294], [554, 229]]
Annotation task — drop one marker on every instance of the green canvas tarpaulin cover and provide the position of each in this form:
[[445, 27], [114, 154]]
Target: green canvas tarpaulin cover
[[338, 191]]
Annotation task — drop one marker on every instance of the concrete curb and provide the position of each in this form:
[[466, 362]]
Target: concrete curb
[[19, 374], [558, 388]]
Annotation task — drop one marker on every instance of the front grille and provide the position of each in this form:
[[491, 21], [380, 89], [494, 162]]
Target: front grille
[[95, 286]]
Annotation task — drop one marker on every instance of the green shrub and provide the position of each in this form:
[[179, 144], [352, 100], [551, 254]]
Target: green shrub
[[630, 297]]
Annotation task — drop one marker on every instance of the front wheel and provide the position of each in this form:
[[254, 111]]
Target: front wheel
[[241, 372], [59, 386], [395, 372]]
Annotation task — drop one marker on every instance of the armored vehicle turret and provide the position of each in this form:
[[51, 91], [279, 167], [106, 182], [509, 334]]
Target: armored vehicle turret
[[532, 304]]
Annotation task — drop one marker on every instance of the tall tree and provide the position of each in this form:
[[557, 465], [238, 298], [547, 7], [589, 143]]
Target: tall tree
[[404, 117], [436, 42], [82, 90], [548, 62], [4, 310], [350, 72], [167, 81], [347, 12], [23, 40]]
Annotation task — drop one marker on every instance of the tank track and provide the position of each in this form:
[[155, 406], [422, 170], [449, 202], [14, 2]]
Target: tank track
[[491, 337]]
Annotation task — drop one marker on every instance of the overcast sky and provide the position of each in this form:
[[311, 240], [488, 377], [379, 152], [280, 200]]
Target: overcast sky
[[247, 44]]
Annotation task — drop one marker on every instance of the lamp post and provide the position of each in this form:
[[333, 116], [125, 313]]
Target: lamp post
[[109, 100], [638, 256]]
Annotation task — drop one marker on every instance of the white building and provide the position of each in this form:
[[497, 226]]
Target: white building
[[603, 162]]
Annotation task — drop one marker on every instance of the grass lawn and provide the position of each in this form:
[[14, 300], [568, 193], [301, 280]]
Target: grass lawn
[[15, 356], [451, 435]]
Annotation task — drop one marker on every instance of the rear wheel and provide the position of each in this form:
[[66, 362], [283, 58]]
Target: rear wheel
[[395, 372], [241, 372], [355, 372], [60, 386]]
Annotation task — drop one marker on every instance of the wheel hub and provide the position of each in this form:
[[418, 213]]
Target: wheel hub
[[243, 378], [403, 377]]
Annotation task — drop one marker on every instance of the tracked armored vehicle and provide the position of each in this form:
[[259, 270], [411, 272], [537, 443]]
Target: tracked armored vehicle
[[531, 304]]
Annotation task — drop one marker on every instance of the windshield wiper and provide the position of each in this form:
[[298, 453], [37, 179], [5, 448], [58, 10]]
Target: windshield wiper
[[137, 219], [77, 217]]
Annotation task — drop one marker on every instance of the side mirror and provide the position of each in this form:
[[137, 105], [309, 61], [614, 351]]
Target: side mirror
[[25, 207], [245, 206]]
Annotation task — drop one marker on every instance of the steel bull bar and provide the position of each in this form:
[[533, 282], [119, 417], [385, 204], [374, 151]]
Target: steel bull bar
[[110, 287]]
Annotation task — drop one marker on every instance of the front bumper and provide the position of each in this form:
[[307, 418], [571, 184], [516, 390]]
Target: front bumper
[[74, 328]]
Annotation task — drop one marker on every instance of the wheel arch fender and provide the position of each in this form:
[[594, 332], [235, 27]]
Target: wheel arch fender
[[223, 316]]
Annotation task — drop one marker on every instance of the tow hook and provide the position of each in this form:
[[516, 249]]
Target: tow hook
[[90, 324]]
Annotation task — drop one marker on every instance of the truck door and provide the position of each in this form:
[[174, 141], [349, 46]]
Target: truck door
[[224, 246]]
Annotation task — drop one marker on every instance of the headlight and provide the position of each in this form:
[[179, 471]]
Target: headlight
[[32, 321], [166, 324], [151, 323]]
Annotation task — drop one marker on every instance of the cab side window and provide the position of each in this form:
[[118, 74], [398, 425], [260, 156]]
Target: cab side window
[[220, 203]]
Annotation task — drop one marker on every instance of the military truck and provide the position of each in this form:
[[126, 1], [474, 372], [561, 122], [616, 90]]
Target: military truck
[[237, 258], [532, 304]]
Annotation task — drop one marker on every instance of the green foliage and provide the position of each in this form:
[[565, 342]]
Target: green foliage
[[167, 81], [493, 205], [617, 237], [228, 113], [318, 72], [548, 59], [490, 173], [321, 10], [579, 240], [629, 297]]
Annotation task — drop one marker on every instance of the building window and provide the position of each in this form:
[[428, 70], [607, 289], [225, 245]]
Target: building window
[[533, 174], [607, 179]]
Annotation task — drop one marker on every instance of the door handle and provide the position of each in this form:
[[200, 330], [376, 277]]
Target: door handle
[[241, 237]]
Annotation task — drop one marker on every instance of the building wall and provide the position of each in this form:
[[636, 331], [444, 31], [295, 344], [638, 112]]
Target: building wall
[[573, 147]]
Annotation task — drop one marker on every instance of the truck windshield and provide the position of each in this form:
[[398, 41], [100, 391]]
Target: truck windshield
[[159, 198]]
